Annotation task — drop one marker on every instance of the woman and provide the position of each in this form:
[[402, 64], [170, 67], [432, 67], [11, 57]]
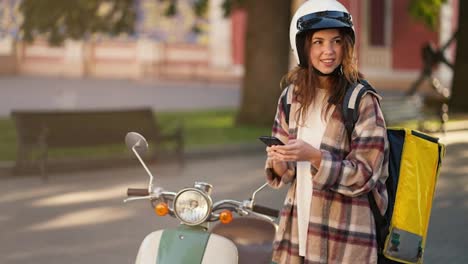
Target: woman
[[326, 217]]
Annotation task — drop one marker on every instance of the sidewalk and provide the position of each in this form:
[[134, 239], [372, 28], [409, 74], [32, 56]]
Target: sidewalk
[[27, 92], [447, 235], [80, 217]]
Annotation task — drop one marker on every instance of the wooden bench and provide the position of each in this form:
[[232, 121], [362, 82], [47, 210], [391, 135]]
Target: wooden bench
[[40, 131]]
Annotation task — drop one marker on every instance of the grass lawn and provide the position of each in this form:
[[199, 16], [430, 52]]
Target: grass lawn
[[7, 140], [202, 129]]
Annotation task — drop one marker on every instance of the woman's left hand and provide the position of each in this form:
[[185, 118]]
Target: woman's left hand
[[296, 150]]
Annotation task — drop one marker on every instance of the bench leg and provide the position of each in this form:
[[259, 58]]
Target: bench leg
[[21, 159], [43, 163]]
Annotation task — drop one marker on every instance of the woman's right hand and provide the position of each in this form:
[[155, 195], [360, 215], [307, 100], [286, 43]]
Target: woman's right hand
[[280, 167]]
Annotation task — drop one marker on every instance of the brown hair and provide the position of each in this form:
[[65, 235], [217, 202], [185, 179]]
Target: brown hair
[[306, 81]]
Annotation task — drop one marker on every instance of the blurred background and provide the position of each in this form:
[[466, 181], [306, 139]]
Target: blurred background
[[209, 40], [200, 79]]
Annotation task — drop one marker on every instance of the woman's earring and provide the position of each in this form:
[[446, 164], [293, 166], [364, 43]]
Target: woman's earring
[[341, 69]]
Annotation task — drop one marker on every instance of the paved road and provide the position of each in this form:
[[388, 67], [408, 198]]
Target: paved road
[[80, 217], [448, 236], [58, 93]]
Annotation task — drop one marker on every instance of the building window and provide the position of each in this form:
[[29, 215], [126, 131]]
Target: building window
[[377, 22]]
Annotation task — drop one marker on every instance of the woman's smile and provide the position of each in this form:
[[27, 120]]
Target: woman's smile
[[328, 62]]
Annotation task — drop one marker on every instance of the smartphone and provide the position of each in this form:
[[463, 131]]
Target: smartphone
[[270, 141]]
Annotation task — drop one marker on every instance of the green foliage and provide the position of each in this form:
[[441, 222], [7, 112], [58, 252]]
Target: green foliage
[[229, 5], [58, 20], [200, 7], [171, 9], [426, 11]]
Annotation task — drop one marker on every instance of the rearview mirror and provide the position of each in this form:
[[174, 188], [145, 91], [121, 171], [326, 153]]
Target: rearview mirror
[[138, 144], [135, 141]]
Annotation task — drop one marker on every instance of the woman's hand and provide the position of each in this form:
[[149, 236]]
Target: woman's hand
[[280, 167], [295, 150]]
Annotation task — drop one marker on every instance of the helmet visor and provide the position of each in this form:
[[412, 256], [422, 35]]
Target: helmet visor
[[325, 19]]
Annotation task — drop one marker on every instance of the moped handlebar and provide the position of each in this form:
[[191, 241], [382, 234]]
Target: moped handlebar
[[137, 192], [265, 210]]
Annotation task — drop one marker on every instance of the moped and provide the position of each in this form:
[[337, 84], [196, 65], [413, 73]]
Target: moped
[[246, 238]]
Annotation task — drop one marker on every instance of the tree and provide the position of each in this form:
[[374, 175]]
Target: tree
[[58, 20], [266, 61], [458, 102], [428, 12]]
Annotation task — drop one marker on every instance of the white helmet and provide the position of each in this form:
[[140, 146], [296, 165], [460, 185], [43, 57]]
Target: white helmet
[[315, 15]]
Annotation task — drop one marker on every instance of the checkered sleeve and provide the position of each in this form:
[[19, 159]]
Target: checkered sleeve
[[280, 130], [359, 171]]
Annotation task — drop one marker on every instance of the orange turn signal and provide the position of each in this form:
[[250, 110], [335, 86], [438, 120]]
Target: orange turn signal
[[225, 217], [161, 209]]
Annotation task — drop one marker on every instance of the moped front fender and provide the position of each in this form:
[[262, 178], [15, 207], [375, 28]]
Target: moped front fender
[[186, 245]]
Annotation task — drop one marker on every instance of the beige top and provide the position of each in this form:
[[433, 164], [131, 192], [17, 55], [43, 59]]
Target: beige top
[[310, 131]]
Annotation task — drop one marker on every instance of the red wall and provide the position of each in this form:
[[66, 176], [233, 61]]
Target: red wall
[[408, 36], [239, 27]]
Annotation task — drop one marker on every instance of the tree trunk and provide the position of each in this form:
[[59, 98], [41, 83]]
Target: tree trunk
[[266, 61], [458, 100]]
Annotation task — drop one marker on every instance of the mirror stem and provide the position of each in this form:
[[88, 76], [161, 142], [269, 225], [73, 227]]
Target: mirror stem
[[150, 187], [259, 189]]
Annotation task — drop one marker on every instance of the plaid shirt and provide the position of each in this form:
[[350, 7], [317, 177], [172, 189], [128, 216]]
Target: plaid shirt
[[341, 226]]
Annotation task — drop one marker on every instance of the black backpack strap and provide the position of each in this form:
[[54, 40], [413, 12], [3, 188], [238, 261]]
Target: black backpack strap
[[284, 103], [351, 102], [381, 223], [350, 112]]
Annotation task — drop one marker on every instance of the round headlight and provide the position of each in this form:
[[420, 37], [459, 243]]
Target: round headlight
[[192, 206]]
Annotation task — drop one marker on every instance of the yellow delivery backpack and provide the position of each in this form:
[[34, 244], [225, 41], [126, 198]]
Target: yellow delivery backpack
[[414, 165]]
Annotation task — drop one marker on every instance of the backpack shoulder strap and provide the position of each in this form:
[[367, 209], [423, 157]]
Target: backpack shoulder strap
[[350, 111], [286, 98], [351, 102]]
